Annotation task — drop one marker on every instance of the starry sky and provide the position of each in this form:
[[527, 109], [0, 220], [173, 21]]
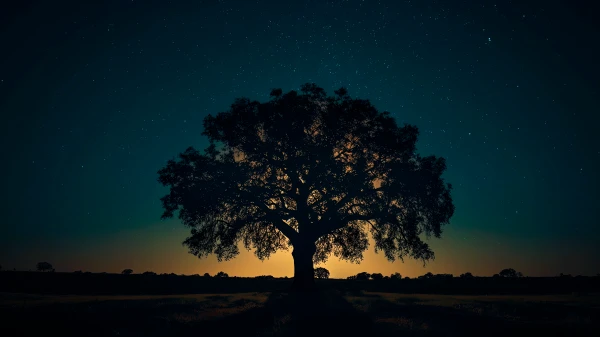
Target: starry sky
[[96, 96]]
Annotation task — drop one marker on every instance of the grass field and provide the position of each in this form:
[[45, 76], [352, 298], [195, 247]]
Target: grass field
[[280, 314]]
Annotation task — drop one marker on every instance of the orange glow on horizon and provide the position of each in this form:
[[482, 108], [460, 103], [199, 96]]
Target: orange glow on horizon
[[158, 248]]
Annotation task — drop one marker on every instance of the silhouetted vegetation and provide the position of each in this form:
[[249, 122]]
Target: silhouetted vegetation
[[310, 171], [265, 277], [127, 271], [321, 273], [509, 272], [44, 266], [150, 283], [396, 276]]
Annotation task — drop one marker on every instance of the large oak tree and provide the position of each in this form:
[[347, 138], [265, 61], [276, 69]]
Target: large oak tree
[[309, 171]]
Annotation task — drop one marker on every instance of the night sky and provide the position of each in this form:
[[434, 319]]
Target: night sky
[[95, 99]]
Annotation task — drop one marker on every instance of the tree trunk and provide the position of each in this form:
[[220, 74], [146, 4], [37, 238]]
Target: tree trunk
[[304, 272]]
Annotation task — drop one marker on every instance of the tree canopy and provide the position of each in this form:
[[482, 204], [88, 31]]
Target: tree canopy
[[311, 171]]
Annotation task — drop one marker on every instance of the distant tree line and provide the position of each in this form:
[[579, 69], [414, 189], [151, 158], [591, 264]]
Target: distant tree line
[[364, 276], [320, 273]]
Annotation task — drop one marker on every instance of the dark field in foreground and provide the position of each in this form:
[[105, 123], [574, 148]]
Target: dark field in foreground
[[327, 312]]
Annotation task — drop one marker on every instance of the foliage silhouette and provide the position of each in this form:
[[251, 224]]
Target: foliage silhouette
[[509, 272], [321, 273], [310, 171], [127, 271], [377, 276], [466, 275], [43, 266], [363, 276], [396, 276], [221, 274]]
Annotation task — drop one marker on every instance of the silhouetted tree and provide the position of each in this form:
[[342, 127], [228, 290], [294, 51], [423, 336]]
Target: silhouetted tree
[[363, 276], [149, 273], [312, 172], [44, 266], [509, 272], [396, 276], [428, 275], [221, 274], [377, 276], [321, 273], [466, 275], [78, 272], [206, 275], [127, 271]]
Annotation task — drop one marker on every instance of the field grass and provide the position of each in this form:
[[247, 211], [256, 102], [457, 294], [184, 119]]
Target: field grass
[[280, 314]]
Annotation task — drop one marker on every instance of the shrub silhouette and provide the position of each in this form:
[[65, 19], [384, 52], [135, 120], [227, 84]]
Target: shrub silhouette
[[377, 276], [310, 171], [127, 271], [321, 273], [364, 276], [44, 266], [509, 272]]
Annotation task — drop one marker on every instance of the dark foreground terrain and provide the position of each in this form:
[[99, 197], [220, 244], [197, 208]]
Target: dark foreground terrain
[[325, 313]]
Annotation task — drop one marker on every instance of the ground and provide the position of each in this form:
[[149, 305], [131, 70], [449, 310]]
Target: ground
[[280, 314]]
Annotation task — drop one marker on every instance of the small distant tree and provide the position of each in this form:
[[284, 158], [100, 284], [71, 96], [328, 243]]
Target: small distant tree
[[78, 272], [127, 271], [377, 276], [466, 275], [363, 276], [222, 274], [509, 272], [44, 266], [396, 276], [321, 273], [206, 275], [149, 273], [429, 275]]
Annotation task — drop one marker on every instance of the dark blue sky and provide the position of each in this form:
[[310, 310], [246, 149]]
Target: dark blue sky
[[95, 98]]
